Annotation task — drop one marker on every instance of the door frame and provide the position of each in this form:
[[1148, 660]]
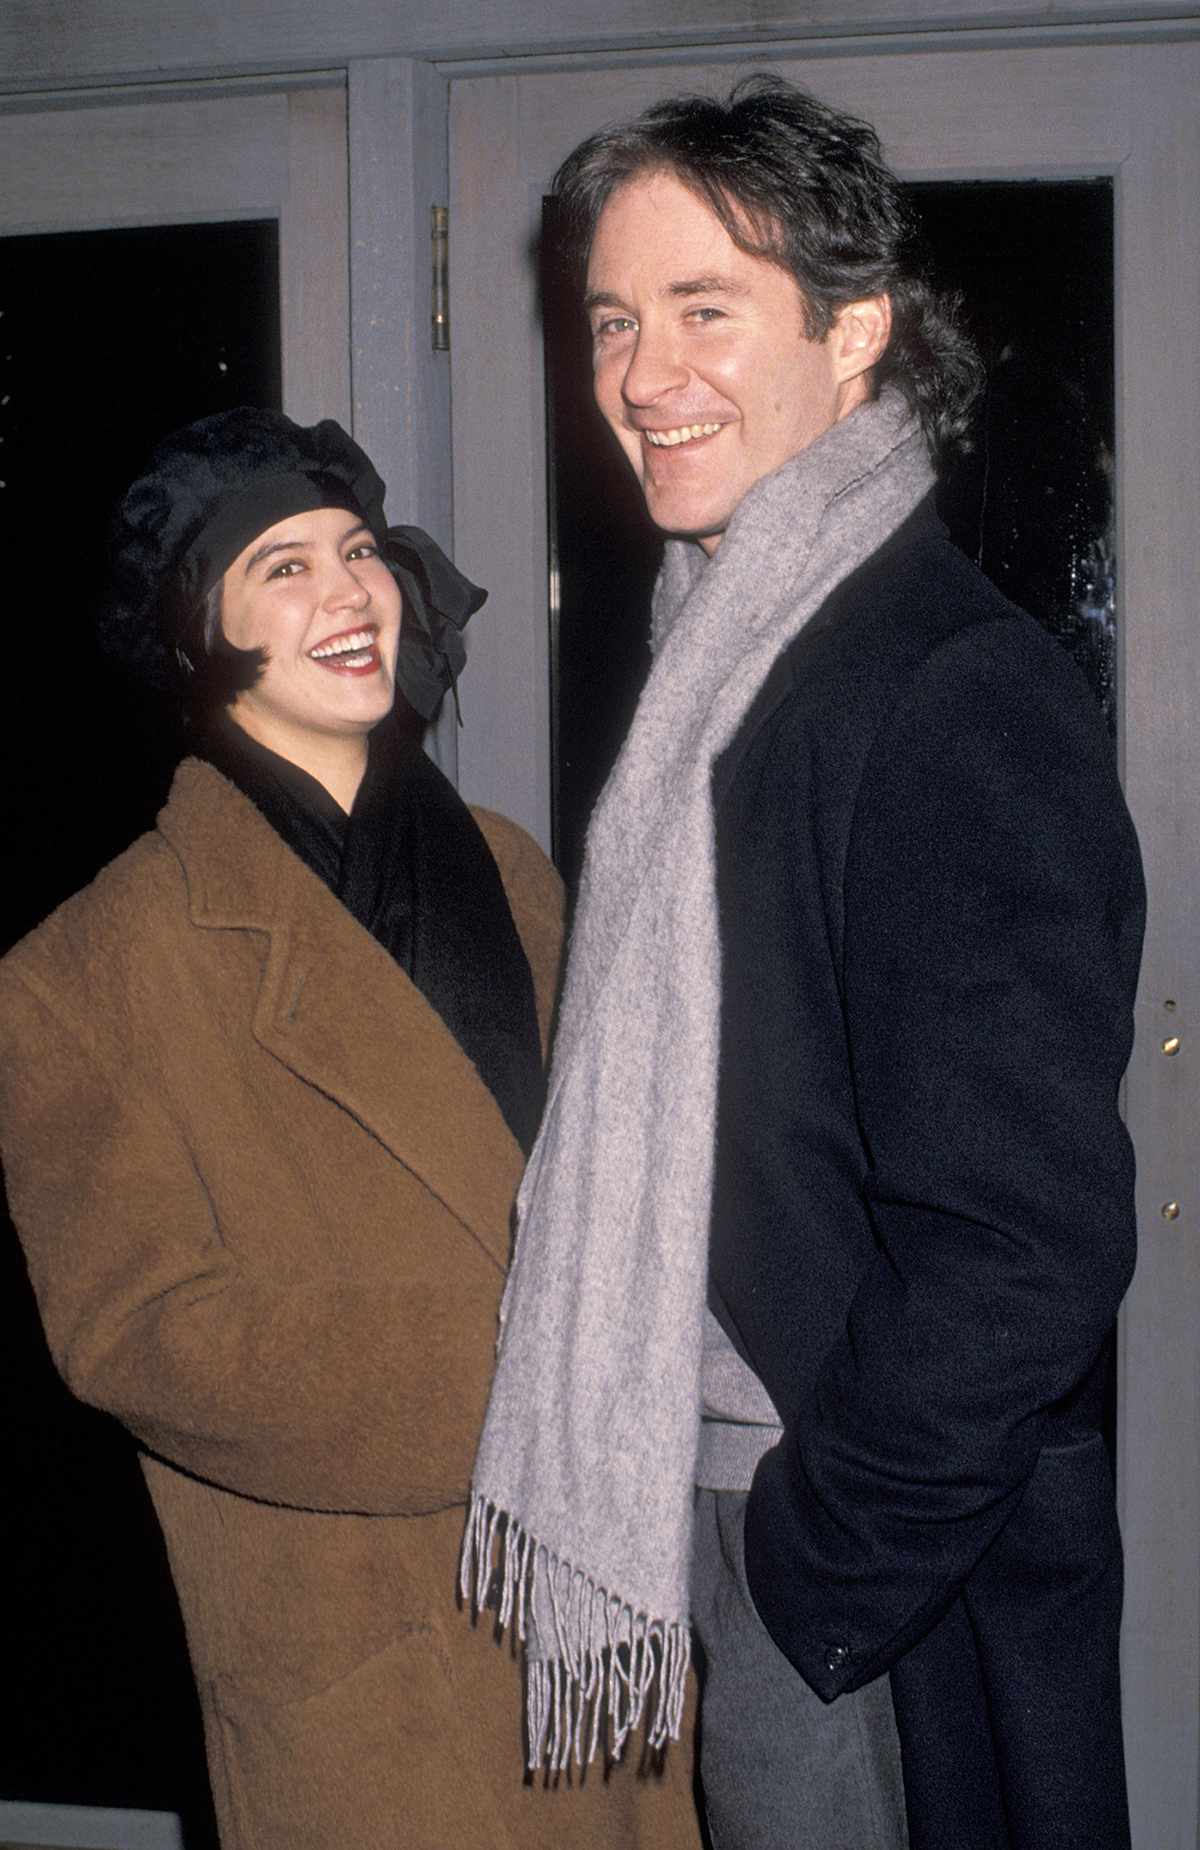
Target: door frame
[[222, 152], [386, 381], [993, 110], [348, 163]]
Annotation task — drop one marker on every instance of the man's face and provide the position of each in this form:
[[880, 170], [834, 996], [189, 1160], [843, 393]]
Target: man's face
[[702, 365]]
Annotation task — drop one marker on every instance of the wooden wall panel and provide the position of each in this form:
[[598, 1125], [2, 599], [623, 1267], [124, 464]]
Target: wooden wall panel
[[398, 171], [50, 43], [142, 166], [1158, 443], [314, 259]]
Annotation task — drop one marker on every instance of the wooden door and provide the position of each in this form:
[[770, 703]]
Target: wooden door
[[1010, 112], [109, 215]]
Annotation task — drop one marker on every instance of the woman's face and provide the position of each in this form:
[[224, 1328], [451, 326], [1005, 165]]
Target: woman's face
[[314, 594]]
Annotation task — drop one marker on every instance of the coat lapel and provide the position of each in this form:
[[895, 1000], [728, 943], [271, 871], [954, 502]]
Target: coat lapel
[[337, 1010]]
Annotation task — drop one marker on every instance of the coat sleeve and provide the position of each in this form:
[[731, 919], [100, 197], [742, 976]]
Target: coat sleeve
[[354, 1388], [992, 920]]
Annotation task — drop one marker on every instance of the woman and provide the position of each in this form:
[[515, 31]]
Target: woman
[[266, 1087]]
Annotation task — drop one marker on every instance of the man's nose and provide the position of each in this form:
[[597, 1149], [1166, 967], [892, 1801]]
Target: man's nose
[[655, 368]]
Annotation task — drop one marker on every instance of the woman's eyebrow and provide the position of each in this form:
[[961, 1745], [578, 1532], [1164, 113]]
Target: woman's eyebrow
[[264, 552]]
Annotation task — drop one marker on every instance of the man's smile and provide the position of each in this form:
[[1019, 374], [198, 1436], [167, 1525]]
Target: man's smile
[[681, 433]]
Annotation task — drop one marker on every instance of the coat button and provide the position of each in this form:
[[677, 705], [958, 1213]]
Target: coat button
[[837, 1656]]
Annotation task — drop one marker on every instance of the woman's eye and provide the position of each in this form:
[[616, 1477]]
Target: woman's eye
[[287, 568], [365, 549]]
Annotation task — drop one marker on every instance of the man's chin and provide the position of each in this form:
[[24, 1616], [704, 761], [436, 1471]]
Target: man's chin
[[707, 537], [686, 523]]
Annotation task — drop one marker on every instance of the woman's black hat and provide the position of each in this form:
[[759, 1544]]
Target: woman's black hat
[[207, 492]]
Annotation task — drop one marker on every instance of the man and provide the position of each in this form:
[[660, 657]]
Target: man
[[848, 1007]]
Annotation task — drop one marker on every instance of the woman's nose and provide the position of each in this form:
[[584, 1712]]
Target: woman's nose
[[346, 590]]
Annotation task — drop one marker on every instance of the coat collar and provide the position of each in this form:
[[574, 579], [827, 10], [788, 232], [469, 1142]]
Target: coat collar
[[337, 1010]]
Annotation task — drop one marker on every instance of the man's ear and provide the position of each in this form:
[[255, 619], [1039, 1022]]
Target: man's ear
[[860, 334]]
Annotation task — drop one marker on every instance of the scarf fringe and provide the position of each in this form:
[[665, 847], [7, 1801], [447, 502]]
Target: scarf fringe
[[611, 1670]]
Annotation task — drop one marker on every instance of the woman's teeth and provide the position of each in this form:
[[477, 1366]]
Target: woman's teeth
[[357, 642]]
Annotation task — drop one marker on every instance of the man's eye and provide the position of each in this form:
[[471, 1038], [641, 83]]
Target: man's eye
[[707, 314], [615, 324]]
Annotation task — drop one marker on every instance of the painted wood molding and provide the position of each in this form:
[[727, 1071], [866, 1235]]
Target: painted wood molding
[[86, 1827], [49, 44]]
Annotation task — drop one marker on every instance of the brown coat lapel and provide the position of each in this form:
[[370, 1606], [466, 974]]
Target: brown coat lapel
[[326, 988]]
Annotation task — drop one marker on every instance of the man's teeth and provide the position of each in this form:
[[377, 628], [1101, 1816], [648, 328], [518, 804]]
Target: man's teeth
[[352, 644], [666, 439]]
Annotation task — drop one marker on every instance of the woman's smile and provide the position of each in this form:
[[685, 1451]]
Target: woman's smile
[[350, 652]]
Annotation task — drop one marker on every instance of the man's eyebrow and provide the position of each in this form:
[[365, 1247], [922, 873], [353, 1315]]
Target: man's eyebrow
[[708, 285], [601, 298], [686, 287]]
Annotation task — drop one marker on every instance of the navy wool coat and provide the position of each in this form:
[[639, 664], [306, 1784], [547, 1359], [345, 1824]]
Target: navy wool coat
[[931, 915]]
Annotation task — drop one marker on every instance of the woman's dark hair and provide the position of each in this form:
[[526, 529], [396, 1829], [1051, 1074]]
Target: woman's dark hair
[[806, 187], [222, 671]]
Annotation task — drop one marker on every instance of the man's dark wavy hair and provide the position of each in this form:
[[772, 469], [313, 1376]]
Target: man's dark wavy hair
[[799, 183]]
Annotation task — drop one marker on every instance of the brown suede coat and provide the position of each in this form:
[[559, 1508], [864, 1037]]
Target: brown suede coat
[[265, 1200]]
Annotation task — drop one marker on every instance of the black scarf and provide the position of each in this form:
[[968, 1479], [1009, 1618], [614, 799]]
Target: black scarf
[[411, 865]]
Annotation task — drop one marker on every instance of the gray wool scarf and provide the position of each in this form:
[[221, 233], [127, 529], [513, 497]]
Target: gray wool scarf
[[583, 1486]]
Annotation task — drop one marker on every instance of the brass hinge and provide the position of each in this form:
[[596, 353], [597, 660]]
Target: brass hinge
[[440, 238]]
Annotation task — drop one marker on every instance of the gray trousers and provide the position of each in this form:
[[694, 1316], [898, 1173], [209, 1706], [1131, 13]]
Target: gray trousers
[[781, 1770]]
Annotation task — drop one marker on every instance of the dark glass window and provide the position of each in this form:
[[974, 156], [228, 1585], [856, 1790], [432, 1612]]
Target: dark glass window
[[1033, 502], [107, 341]]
